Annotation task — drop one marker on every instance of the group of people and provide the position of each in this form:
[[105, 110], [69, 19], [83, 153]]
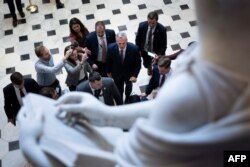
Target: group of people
[[205, 112], [102, 62]]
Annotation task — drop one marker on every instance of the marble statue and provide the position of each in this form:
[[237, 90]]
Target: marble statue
[[202, 112]]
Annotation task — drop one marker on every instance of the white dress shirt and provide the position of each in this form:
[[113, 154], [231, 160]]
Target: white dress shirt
[[18, 95], [99, 56]]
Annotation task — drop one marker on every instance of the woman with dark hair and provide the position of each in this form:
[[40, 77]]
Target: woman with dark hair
[[76, 67], [78, 34]]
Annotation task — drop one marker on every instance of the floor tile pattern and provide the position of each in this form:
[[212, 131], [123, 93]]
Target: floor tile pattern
[[49, 26]]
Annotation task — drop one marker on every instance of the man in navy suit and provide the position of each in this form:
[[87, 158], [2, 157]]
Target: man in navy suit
[[161, 73], [123, 63], [103, 88], [14, 92], [97, 42], [151, 37]]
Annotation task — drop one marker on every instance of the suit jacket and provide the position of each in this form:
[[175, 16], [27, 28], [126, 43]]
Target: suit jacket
[[159, 41], [93, 45], [11, 104], [154, 80], [74, 72], [109, 89], [129, 67]]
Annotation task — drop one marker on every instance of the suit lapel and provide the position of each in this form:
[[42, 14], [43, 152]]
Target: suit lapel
[[107, 37], [96, 41], [118, 54], [127, 53], [88, 88]]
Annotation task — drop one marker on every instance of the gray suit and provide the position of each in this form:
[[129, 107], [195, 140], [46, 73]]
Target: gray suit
[[74, 72], [109, 89]]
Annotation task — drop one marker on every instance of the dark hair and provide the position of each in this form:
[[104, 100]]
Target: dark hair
[[153, 15], [100, 23], [47, 92], [39, 50], [16, 78], [164, 61], [69, 59], [83, 29], [94, 76]]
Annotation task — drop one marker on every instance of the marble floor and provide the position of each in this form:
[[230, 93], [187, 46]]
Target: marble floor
[[49, 26]]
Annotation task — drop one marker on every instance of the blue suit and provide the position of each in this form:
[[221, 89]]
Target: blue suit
[[93, 45], [122, 71], [154, 81]]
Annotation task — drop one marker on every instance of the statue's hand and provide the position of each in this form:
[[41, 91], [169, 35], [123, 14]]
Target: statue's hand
[[31, 123], [87, 105], [30, 131]]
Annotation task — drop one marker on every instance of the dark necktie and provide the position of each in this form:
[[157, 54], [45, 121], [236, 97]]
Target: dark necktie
[[121, 55], [97, 93], [150, 40], [104, 50], [21, 93], [162, 80]]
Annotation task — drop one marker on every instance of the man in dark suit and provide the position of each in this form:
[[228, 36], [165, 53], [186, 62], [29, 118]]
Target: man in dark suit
[[14, 92], [151, 37], [123, 63], [161, 73], [103, 88], [97, 42]]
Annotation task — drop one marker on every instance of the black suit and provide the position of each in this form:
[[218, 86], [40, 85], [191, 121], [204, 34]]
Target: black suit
[[11, 104], [122, 71], [93, 45], [110, 92], [159, 41], [12, 7]]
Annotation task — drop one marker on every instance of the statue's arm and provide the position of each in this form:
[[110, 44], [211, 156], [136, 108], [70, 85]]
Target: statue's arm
[[183, 108], [30, 132], [124, 116], [100, 114]]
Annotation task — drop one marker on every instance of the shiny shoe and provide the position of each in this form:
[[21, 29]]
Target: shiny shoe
[[22, 14]]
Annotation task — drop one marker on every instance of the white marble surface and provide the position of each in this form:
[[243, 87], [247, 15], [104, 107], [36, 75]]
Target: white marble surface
[[9, 133], [4, 148]]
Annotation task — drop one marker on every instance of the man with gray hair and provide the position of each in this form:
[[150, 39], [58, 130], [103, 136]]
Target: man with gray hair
[[123, 63]]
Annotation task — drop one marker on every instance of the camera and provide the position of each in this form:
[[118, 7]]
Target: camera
[[74, 45]]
